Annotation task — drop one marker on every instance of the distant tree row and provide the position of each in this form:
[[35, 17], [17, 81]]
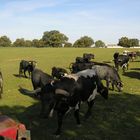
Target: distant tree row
[[55, 38], [126, 42]]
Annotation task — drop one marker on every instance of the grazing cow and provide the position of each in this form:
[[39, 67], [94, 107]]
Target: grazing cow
[[132, 55], [88, 56], [85, 59], [76, 67], [121, 60], [1, 84], [67, 93], [110, 74], [58, 72], [26, 66]]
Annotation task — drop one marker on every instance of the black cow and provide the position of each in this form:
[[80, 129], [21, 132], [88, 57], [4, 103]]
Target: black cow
[[1, 84], [76, 67], [88, 56], [67, 93], [110, 74], [26, 66], [39, 79], [121, 60], [58, 72]]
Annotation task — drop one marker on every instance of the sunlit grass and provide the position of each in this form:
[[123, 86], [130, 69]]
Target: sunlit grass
[[117, 119]]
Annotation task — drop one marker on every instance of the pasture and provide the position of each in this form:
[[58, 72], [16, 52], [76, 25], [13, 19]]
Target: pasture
[[118, 118]]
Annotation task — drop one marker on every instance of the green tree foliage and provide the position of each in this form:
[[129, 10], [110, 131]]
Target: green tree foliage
[[68, 45], [19, 43], [126, 42], [133, 42], [123, 42], [83, 42], [54, 39], [28, 43], [99, 44], [39, 43], [5, 41]]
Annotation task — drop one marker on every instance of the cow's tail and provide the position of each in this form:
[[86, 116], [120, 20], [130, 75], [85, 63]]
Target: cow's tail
[[29, 92]]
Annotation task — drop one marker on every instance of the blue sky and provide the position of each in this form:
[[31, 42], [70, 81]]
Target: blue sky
[[105, 20]]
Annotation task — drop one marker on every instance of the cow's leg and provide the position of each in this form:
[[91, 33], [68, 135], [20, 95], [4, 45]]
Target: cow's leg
[[107, 84], [112, 83], [60, 116], [127, 66], [89, 111], [43, 106], [28, 73], [25, 73], [76, 114]]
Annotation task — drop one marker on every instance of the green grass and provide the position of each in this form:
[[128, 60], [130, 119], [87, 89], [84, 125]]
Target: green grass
[[118, 118]]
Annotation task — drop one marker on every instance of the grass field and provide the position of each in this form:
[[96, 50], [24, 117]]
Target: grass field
[[118, 118]]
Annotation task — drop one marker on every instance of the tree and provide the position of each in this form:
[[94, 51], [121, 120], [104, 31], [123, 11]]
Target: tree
[[38, 43], [83, 42], [99, 44], [54, 38], [5, 41], [28, 43], [126, 42], [19, 43], [133, 42], [67, 45]]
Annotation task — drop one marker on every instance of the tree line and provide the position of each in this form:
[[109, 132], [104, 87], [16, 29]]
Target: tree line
[[55, 38]]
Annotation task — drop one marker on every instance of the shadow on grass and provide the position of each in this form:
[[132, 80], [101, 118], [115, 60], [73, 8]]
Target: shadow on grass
[[20, 76], [135, 68], [132, 74], [117, 118]]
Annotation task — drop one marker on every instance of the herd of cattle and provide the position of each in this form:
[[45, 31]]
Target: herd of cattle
[[62, 91]]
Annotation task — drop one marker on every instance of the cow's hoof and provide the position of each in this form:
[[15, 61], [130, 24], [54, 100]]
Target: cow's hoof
[[56, 134]]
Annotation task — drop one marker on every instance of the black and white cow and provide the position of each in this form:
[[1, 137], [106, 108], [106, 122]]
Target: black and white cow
[[110, 74], [121, 60], [68, 92], [58, 72], [1, 84], [26, 66]]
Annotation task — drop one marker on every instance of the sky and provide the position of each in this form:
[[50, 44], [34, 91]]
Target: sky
[[106, 20]]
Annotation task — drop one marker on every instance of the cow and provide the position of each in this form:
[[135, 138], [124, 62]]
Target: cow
[[38, 79], [76, 67], [58, 72], [88, 56], [110, 74], [1, 84], [121, 60], [68, 92], [26, 66], [132, 55]]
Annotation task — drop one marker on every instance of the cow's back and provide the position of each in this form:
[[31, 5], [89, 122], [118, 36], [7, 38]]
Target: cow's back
[[106, 72], [39, 78]]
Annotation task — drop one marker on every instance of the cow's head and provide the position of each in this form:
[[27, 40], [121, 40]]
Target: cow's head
[[103, 91], [101, 88], [119, 86]]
